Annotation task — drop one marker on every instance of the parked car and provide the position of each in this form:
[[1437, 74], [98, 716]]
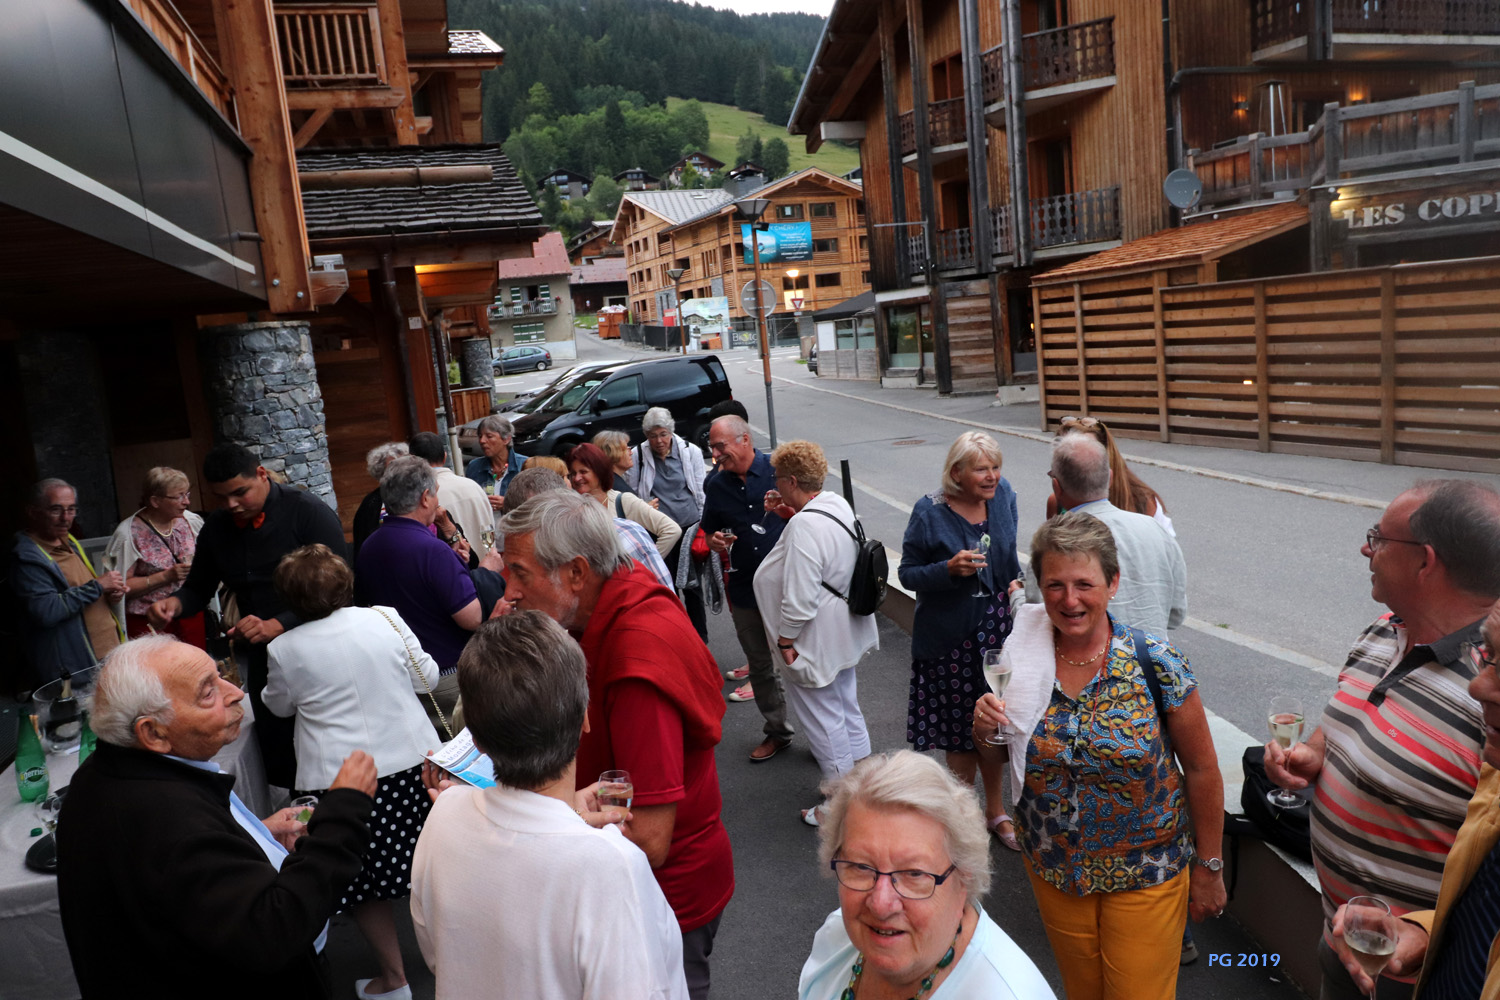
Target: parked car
[[812, 359], [529, 400], [615, 397], [523, 359]]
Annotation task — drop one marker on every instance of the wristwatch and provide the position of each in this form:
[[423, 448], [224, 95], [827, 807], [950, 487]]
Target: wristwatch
[[1212, 864]]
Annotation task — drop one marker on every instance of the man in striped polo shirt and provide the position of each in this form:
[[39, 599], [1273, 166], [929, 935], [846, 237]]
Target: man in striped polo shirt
[[1396, 758]]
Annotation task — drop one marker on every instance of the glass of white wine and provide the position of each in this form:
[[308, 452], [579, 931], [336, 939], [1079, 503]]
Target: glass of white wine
[[1370, 931], [997, 676], [615, 789], [487, 536], [1285, 720], [983, 551], [729, 537]]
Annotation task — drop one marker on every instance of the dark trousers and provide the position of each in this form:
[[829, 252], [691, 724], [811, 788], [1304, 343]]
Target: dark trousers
[[272, 732], [697, 945]]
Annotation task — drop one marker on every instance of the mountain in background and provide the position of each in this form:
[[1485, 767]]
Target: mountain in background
[[588, 53]]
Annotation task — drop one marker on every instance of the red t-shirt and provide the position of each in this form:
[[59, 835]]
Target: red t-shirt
[[655, 709]]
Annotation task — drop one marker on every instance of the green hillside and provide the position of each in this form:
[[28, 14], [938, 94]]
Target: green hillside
[[726, 124]]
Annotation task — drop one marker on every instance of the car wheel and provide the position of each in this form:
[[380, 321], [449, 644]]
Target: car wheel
[[700, 438], [541, 366]]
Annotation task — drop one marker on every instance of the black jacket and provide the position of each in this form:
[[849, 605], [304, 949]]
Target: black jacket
[[164, 894]]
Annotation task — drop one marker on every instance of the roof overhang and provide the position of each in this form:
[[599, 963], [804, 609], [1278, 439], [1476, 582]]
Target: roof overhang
[[847, 51]]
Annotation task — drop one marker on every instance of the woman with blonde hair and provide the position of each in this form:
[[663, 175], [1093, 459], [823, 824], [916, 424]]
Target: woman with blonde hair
[[616, 444], [153, 550], [552, 462]]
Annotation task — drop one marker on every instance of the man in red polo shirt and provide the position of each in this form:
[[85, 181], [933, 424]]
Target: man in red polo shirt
[[655, 707]]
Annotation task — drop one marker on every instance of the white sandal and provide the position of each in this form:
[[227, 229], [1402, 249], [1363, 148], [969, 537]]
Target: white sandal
[[1008, 839]]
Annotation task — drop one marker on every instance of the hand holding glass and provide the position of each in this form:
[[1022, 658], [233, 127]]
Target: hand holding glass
[[997, 676], [729, 537], [1285, 720], [771, 502], [302, 808], [615, 789], [1371, 932], [983, 551]]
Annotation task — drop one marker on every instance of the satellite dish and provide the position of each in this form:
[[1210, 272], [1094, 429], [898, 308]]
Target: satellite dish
[[1182, 188]]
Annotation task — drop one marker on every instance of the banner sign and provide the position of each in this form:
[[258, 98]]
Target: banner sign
[[783, 243], [707, 317]]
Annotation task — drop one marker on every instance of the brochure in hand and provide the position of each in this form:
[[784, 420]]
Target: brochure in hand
[[462, 759]]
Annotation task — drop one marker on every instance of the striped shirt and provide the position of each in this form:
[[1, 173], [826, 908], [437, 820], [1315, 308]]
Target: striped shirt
[[1403, 739]]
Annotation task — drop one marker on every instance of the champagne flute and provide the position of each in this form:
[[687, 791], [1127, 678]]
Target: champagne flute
[[729, 537], [997, 676], [1285, 720], [1370, 931], [615, 789], [773, 495], [983, 550]]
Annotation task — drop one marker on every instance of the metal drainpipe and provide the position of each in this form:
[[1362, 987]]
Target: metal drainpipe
[[403, 345]]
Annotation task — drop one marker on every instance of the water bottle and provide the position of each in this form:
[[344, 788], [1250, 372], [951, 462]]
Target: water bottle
[[31, 761]]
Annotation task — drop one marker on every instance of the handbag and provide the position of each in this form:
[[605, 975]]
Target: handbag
[[412, 661], [1289, 829]]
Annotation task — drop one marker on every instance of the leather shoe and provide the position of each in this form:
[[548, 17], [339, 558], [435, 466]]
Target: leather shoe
[[769, 747]]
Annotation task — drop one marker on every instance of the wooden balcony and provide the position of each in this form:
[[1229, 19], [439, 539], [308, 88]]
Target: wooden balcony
[[331, 45], [1303, 30], [1076, 218], [1061, 64], [1253, 169], [169, 28], [947, 132]]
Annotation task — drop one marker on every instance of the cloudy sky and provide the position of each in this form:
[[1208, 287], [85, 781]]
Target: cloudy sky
[[818, 7]]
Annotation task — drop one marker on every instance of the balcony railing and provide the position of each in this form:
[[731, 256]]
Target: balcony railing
[[992, 74], [537, 307], [1275, 21], [1256, 168], [1074, 52], [946, 125], [163, 21], [1076, 217], [1002, 224], [331, 45]]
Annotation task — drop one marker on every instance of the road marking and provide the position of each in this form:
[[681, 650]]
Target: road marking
[[1040, 438]]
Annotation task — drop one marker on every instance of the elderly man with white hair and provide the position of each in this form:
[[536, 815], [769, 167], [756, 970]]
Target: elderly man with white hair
[[165, 876], [654, 703], [669, 472]]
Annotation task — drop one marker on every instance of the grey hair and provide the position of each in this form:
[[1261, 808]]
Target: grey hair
[[566, 526], [43, 487], [969, 446], [905, 780], [1460, 519], [733, 423], [1075, 533], [1080, 464], [658, 416], [525, 689], [496, 424], [404, 482], [529, 482], [128, 689], [378, 457]]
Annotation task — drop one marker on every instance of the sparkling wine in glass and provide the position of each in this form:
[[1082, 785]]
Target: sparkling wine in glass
[[997, 676], [983, 548], [1370, 931], [487, 536], [615, 789], [729, 537], [772, 495], [1285, 720]]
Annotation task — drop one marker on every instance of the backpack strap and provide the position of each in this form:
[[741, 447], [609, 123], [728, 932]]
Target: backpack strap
[[1148, 670], [859, 540], [620, 506]]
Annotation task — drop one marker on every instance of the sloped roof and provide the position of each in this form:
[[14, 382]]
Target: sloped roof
[[549, 257], [1193, 243], [680, 205], [434, 209], [470, 42], [608, 269], [862, 303]]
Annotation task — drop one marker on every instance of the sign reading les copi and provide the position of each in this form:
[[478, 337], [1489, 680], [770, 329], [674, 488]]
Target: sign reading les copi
[[1379, 214]]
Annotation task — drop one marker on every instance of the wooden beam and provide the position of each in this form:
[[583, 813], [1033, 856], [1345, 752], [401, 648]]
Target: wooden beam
[[887, 31], [1262, 370], [310, 127], [1164, 429], [1388, 367], [854, 80], [346, 98], [1083, 373], [328, 286], [251, 61], [978, 133], [393, 37]]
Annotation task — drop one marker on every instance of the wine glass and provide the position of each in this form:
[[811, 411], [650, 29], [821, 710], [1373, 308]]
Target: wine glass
[[729, 537], [1370, 931], [775, 497], [615, 789], [47, 810], [997, 676], [983, 549], [302, 808], [1285, 720], [487, 536]]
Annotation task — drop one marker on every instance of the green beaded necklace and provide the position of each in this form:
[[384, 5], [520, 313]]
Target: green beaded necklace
[[943, 963]]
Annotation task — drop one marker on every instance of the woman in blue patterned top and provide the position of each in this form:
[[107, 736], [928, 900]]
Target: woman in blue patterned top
[[1120, 845]]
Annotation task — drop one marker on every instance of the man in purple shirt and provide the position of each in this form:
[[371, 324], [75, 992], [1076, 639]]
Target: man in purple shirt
[[404, 565]]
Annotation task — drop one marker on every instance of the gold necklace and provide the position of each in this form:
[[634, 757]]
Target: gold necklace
[[1083, 663], [163, 535]]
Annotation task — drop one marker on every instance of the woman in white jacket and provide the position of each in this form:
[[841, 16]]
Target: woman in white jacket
[[153, 550], [800, 589], [354, 678]]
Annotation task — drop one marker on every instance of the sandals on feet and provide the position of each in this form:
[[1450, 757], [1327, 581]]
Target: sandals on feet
[[1008, 839], [814, 816]]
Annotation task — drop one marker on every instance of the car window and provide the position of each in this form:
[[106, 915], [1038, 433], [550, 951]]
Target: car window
[[624, 391], [717, 369]]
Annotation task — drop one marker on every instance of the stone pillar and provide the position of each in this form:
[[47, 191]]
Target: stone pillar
[[263, 388], [475, 367]]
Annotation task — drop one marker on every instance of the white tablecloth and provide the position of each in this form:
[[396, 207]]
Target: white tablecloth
[[34, 963]]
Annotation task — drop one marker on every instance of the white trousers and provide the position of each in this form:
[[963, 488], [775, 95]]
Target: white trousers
[[830, 718]]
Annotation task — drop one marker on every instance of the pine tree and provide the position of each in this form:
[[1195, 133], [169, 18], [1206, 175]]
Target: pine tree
[[744, 148], [778, 96], [775, 158]]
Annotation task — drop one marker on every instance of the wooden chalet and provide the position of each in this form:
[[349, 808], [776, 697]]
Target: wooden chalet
[[243, 220], [699, 162], [569, 184], [698, 232], [1084, 108], [594, 242], [637, 179]]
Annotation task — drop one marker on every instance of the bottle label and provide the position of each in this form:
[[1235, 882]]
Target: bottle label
[[33, 782]]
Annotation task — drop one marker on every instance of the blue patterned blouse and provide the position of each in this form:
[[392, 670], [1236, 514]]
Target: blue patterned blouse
[[1103, 808]]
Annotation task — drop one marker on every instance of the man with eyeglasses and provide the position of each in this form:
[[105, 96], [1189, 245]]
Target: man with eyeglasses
[[1396, 758], [67, 610]]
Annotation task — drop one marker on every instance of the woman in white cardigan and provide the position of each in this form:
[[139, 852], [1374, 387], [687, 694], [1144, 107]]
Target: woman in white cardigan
[[354, 678], [800, 589]]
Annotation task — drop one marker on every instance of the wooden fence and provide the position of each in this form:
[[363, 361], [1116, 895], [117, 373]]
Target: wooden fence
[[1397, 364]]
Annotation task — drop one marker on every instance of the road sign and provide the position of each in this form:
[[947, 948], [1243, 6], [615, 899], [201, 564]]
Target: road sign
[[756, 304], [796, 303]]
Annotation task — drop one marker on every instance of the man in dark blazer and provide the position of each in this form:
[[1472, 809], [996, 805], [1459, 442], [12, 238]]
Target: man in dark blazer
[[168, 884]]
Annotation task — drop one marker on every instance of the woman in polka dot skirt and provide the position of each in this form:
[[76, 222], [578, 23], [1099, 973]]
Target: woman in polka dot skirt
[[959, 557], [354, 678]]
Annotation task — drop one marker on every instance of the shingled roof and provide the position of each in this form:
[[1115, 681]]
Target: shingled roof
[[679, 206], [469, 42], [501, 204]]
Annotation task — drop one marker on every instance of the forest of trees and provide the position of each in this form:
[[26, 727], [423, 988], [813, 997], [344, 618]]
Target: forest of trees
[[585, 52]]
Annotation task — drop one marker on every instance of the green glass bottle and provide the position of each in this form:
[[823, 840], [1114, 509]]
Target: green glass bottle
[[86, 740], [31, 761]]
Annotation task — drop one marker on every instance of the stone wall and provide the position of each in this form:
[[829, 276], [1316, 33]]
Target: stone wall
[[474, 362], [262, 386]]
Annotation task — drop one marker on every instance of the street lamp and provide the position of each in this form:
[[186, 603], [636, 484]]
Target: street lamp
[[676, 273], [751, 209]]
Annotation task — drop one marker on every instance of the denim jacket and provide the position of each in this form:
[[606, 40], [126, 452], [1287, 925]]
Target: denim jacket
[[947, 610]]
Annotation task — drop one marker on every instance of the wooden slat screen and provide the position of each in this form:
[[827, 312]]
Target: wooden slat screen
[[1399, 364]]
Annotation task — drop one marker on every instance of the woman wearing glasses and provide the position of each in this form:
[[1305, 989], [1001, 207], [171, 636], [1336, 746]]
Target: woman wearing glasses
[[153, 549], [908, 846], [1126, 489], [1120, 845]]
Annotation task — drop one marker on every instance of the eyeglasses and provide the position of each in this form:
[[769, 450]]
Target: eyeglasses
[[182, 497], [1072, 421], [909, 884], [1375, 540], [58, 510]]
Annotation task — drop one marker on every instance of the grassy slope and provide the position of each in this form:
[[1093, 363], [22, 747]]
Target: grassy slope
[[726, 124]]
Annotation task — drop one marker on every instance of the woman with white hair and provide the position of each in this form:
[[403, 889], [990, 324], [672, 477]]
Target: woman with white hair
[[371, 509], [908, 846], [668, 473], [959, 557]]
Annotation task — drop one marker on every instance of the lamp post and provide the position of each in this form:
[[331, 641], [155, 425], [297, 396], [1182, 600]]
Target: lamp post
[[676, 273], [751, 209]]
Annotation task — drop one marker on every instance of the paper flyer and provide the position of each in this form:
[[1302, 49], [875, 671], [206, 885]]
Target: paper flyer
[[460, 758]]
